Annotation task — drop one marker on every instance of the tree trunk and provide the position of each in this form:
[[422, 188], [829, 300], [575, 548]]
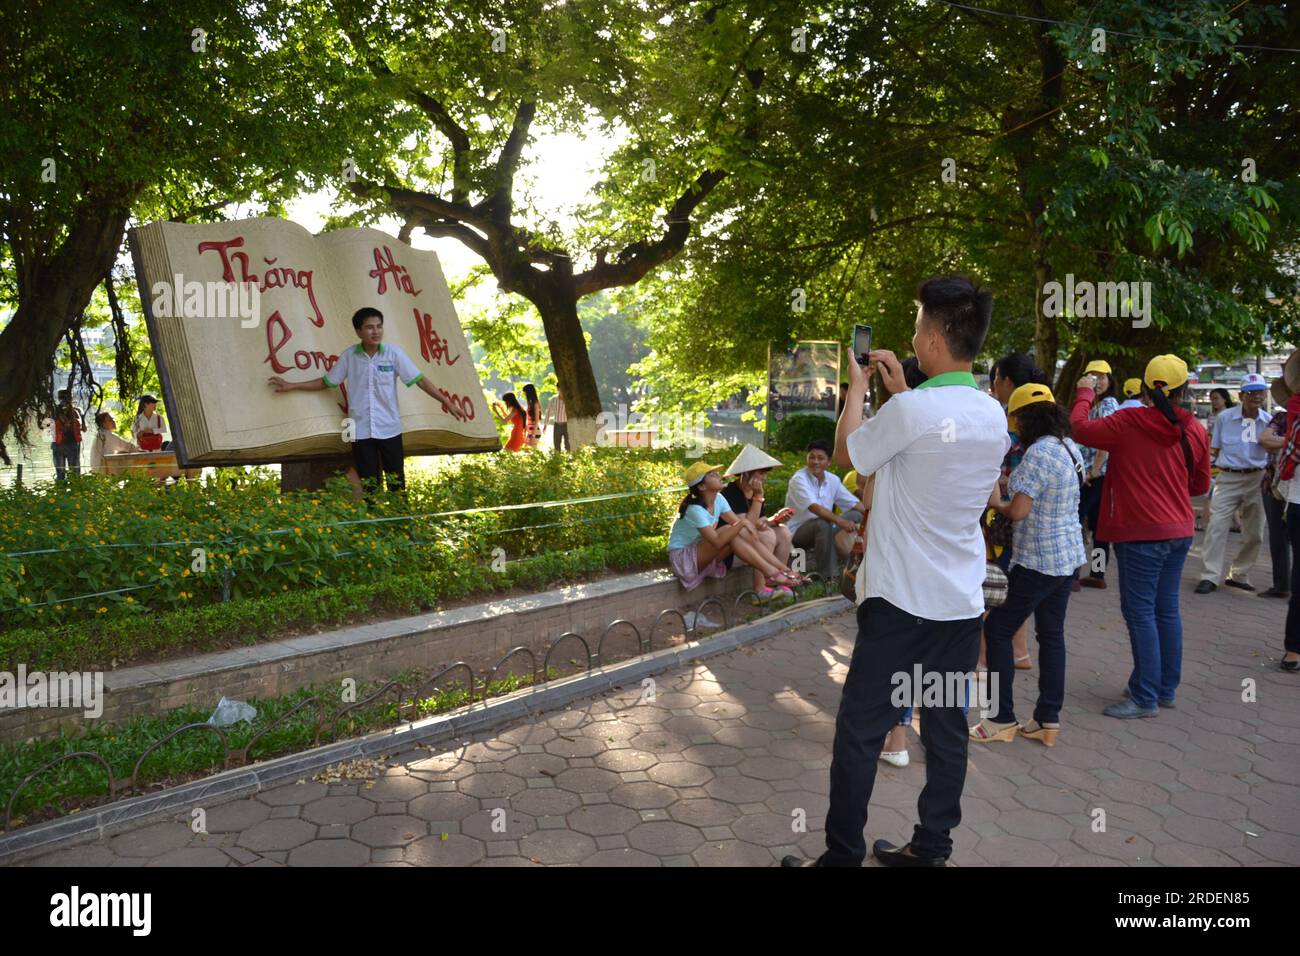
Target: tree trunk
[[54, 293], [1047, 342], [559, 311]]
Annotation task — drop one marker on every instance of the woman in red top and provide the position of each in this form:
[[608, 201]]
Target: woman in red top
[[1158, 461], [511, 411]]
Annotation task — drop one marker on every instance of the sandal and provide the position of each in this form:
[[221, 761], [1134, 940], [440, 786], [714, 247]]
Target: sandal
[[986, 731], [1028, 665], [1044, 732]]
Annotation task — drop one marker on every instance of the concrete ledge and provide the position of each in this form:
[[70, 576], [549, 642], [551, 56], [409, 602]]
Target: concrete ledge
[[41, 838], [378, 650]]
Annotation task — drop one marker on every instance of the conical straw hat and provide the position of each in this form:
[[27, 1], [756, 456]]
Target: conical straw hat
[[1280, 391], [1291, 371], [752, 459]]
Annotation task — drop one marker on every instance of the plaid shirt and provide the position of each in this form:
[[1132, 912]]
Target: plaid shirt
[[1049, 539], [1289, 457], [1107, 406]]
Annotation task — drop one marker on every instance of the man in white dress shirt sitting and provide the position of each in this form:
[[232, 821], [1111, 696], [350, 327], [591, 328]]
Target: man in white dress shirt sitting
[[813, 493]]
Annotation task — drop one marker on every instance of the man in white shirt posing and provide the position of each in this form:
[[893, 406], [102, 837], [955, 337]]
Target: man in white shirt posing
[[813, 492], [1241, 460], [371, 371], [936, 452]]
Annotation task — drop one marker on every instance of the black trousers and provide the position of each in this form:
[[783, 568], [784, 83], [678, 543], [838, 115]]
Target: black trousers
[[375, 456], [1291, 640], [1090, 514], [1279, 545], [562, 434], [892, 642]]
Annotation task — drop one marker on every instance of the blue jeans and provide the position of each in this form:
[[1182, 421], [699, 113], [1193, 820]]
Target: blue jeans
[[66, 456], [1149, 577], [1045, 597]]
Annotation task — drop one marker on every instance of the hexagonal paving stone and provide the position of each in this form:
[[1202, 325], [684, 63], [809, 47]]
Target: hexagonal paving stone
[[587, 780], [557, 846], [563, 746], [625, 760], [732, 853], [643, 795], [766, 829], [391, 830], [151, 840], [497, 824], [395, 788], [89, 854], [603, 819], [455, 850], [660, 742], [743, 737], [713, 755], [740, 790], [444, 805], [533, 765], [235, 816], [770, 768], [346, 810], [276, 835], [680, 774], [547, 802], [491, 786], [703, 812], [330, 853], [665, 838]]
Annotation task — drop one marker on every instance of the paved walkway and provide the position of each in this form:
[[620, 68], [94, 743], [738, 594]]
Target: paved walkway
[[729, 757]]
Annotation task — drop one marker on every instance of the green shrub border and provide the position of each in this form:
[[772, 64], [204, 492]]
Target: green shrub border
[[100, 645]]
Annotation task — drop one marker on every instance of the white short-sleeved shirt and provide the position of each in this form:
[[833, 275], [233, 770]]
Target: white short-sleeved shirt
[[936, 452], [372, 387], [803, 491], [1237, 439]]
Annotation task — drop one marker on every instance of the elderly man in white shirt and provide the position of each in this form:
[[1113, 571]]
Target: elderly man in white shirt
[[936, 452], [813, 492]]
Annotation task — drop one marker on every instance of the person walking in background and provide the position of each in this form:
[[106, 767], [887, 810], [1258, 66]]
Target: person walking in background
[[1287, 458], [1241, 460], [68, 423], [559, 415], [1104, 403], [812, 493], [922, 580], [1161, 460], [509, 410], [149, 427], [1275, 493], [1220, 400], [1132, 394], [107, 442], [1048, 547], [533, 416], [1009, 373]]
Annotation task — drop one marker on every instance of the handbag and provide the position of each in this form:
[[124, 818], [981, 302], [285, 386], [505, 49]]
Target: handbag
[[996, 585]]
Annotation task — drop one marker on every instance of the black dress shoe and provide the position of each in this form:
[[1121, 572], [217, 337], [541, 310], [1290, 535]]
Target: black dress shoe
[[1239, 584], [799, 861], [1205, 587], [1290, 665], [891, 855], [1275, 593]]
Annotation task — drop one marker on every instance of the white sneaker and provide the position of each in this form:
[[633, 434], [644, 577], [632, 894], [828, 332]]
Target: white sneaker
[[899, 758]]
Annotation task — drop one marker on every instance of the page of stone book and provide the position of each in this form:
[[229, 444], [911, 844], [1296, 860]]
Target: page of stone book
[[230, 304]]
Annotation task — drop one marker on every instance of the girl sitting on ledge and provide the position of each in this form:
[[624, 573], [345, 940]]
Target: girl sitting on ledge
[[707, 530]]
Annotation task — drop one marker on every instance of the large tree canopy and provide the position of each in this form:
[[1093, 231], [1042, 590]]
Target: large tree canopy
[[934, 138]]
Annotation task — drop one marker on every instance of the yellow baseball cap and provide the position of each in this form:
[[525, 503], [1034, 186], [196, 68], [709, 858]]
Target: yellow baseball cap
[[1132, 387], [695, 474], [1028, 394], [1167, 370], [1098, 365]]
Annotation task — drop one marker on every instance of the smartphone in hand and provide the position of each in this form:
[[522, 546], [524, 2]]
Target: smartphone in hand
[[782, 516], [862, 344]]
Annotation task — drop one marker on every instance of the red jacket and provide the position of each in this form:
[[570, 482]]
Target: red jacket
[[1147, 495]]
